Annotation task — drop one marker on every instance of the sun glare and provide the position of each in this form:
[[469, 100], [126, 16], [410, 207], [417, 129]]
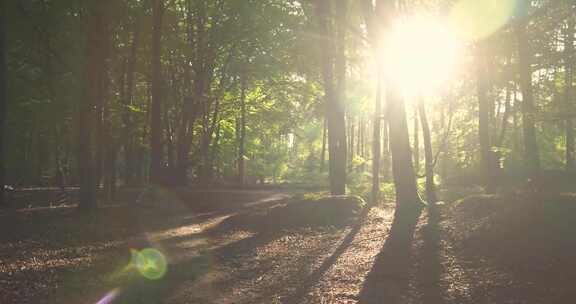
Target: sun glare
[[420, 54]]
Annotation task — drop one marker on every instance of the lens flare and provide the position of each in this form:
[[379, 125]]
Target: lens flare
[[109, 297], [477, 19], [150, 263]]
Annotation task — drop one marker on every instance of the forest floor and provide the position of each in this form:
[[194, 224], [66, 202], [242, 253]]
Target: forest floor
[[478, 251]]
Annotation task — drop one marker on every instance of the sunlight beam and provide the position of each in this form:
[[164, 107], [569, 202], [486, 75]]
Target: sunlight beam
[[420, 53]]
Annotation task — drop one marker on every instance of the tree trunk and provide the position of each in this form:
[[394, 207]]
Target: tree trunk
[[110, 169], [333, 62], [505, 116], [350, 140], [428, 156], [169, 140], [531, 154], [339, 126], [156, 105], [129, 142], [95, 50], [208, 146], [360, 138], [108, 143], [568, 79], [484, 120], [402, 167], [385, 153], [324, 139], [101, 116], [416, 148], [2, 106], [213, 160], [376, 143], [242, 137]]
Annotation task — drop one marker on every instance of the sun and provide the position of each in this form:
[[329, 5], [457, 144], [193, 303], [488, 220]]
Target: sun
[[420, 54]]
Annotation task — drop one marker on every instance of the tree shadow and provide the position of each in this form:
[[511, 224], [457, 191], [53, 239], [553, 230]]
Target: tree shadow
[[428, 276], [387, 281], [315, 276]]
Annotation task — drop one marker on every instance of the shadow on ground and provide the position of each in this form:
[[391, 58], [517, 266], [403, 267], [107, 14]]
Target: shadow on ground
[[388, 280], [429, 272]]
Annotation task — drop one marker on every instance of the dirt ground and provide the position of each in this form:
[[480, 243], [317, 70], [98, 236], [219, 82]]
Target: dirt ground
[[54, 255]]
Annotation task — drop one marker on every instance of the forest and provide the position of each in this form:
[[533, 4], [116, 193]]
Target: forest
[[287, 151]]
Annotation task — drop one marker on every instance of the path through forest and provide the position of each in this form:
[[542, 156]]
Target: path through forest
[[218, 252]]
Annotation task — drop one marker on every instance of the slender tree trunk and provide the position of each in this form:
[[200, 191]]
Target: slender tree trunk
[[385, 153], [484, 120], [376, 143], [334, 63], [101, 115], [208, 144], [95, 51], [242, 137], [350, 140], [568, 79], [531, 153], [99, 144], [2, 104], [110, 168], [169, 140], [428, 155], [505, 116], [42, 156], [205, 140], [129, 140], [156, 106], [360, 140], [184, 133], [339, 120], [324, 139], [416, 149], [108, 142], [213, 160]]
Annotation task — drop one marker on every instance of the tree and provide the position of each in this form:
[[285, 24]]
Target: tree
[[242, 132], [408, 202], [568, 89], [376, 138], [372, 29], [531, 153], [92, 88], [484, 118], [428, 155], [127, 117], [2, 104], [334, 76], [407, 199], [156, 105], [337, 108]]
